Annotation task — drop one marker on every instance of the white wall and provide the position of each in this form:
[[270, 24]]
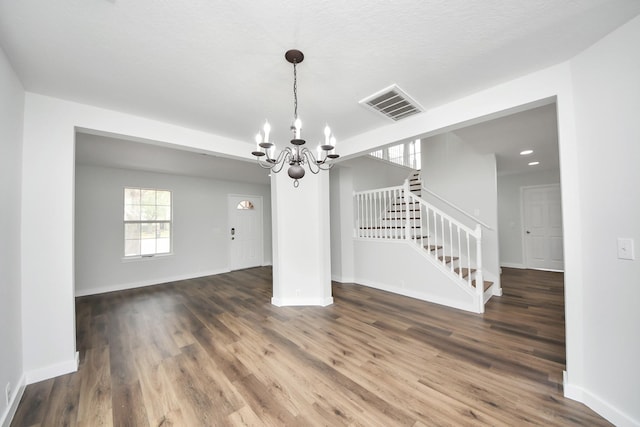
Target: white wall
[[200, 228], [47, 242], [11, 121], [455, 172], [606, 87], [400, 268], [510, 212], [370, 173], [358, 174]]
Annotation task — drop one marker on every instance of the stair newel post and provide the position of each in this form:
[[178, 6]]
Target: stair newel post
[[479, 276], [407, 221]]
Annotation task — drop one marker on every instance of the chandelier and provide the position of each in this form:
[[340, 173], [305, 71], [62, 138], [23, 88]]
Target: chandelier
[[296, 156]]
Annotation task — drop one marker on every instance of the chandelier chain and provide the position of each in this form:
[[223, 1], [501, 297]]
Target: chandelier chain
[[295, 91]]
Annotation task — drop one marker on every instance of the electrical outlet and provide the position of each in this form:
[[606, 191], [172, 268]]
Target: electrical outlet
[[7, 391]]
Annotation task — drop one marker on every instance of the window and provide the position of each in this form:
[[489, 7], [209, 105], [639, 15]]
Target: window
[[245, 205], [147, 222], [405, 154], [396, 154]]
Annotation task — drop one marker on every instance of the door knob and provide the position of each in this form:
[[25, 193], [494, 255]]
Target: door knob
[[528, 232]]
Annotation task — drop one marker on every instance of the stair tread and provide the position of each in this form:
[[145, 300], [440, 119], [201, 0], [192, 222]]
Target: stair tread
[[487, 284], [465, 271], [432, 247], [448, 258]]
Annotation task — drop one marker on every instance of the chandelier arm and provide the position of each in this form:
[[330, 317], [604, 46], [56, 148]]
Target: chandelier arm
[[282, 159], [311, 160], [263, 164], [325, 164], [325, 167]]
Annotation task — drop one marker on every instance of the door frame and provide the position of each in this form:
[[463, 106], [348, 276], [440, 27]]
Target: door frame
[[260, 218], [523, 231]]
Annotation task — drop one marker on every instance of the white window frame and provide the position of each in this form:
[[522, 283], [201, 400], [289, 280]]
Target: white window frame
[[141, 222]]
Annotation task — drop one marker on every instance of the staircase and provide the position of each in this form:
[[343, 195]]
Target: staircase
[[399, 214]]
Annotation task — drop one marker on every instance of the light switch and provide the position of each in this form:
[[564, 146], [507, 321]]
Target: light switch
[[625, 248]]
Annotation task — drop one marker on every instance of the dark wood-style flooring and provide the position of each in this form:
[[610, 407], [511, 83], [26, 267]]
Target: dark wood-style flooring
[[215, 352]]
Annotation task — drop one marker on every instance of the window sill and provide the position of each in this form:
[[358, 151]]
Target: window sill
[[146, 257]]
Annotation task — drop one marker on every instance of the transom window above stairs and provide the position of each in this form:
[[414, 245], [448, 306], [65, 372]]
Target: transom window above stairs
[[406, 154]]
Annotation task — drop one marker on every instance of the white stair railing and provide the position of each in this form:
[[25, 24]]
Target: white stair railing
[[396, 213]]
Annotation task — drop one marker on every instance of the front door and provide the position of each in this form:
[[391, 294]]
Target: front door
[[245, 231], [543, 239]]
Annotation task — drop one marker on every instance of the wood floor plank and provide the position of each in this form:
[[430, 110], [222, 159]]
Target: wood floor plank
[[129, 408], [94, 407], [33, 405], [62, 404], [214, 351]]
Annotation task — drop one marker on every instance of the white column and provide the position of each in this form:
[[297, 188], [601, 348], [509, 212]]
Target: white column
[[342, 223], [301, 242]]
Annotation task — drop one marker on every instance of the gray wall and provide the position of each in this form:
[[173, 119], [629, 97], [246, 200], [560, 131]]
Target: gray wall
[[200, 228], [11, 122], [510, 212]]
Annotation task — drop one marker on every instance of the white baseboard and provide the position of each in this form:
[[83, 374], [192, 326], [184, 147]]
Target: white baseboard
[[158, 281], [341, 279], [51, 371], [14, 401], [606, 410], [285, 302], [513, 265]]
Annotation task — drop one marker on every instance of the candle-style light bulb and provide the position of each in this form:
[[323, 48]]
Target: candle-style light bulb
[[332, 142], [267, 129], [298, 125], [272, 150], [319, 152], [327, 134], [258, 141]]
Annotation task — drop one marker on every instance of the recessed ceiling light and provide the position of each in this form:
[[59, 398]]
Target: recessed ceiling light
[[526, 152], [533, 163]]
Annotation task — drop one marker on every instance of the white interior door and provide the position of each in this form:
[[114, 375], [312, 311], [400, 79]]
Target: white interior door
[[245, 231], [543, 239]]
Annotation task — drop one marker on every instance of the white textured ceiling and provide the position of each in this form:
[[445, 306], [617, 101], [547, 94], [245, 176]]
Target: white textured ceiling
[[219, 66]]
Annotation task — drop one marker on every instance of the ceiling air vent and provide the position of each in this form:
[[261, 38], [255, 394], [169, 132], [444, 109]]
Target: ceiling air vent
[[393, 102]]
